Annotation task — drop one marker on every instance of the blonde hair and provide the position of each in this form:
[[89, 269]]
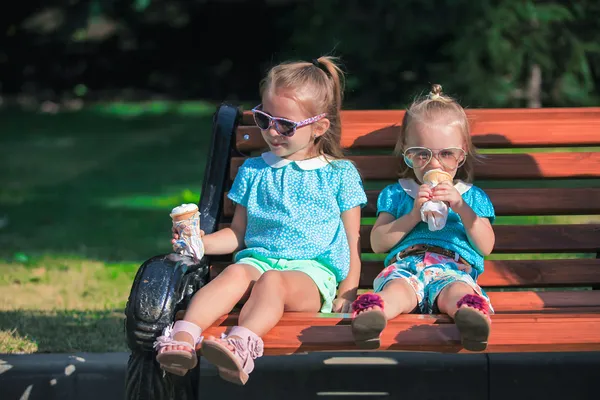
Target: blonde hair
[[437, 109], [318, 88]]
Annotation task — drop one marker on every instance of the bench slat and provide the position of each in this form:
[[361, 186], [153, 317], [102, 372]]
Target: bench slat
[[575, 238], [496, 166], [336, 319], [543, 201], [503, 273], [524, 333], [490, 128], [532, 238], [541, 273]]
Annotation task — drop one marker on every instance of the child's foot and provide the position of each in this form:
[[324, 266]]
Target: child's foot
[[368, 321], [473, 322], [234, 355], [177, 347]]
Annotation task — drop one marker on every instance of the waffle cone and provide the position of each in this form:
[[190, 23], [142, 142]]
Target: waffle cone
[[183, 216], [436, 176]]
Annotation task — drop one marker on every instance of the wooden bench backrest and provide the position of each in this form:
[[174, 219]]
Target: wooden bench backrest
[[538, 163]]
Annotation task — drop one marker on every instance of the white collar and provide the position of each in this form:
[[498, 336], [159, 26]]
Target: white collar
[[412, 188], [275, 161]]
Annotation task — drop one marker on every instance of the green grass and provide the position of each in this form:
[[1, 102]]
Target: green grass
[[84, 200], [96, 185], [63, 304]]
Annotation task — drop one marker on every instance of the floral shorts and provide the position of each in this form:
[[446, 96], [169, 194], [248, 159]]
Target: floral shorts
[[428, 274]]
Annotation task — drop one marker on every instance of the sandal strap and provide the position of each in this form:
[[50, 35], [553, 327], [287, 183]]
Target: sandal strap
[[163, 341], [367, 300], [166, 339], [247, 346], [253, 343], [188, 327]]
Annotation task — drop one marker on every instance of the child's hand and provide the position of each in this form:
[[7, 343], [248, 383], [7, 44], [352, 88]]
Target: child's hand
[[446, 191], [341, 305], [176, 235], [425, 194]]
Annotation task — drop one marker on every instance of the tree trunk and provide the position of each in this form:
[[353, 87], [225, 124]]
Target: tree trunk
[[534, 87]]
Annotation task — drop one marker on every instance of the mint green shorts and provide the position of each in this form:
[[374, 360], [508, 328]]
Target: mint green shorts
[[320, 274]]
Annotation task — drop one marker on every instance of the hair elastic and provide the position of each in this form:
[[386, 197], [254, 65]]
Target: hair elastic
[[320, 65]]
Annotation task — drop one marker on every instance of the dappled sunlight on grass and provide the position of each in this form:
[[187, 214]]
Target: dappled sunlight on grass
[[164, 202], [11, 342], [155, 107], [50, 283], [56, 303], [95, 184], [27, 331]]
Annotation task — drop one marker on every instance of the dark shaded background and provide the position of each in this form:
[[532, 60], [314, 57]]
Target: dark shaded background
[[507, 53]]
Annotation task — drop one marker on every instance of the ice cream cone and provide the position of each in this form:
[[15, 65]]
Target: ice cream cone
[[183, 212], [186, 222], [436, 176]]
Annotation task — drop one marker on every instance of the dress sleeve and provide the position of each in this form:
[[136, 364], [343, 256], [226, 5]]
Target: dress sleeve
[[239, 192], [351, 191]]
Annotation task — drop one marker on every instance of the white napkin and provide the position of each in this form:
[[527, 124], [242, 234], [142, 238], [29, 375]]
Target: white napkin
[[189, 243], [435, 213]]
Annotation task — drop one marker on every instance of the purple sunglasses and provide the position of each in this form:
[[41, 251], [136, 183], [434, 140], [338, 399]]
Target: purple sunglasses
[[284, 127]]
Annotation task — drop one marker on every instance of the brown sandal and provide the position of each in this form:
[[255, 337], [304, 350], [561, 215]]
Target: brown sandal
[[368, 325], [473, 322]]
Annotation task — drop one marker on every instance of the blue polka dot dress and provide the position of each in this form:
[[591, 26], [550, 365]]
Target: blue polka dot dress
[[294, 208]]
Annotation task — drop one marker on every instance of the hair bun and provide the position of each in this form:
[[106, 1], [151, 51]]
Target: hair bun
[[436, 91]]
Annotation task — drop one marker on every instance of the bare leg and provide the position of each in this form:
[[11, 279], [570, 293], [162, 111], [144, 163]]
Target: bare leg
[[450, 295], [274, 293], [398, 298], [217, 298]]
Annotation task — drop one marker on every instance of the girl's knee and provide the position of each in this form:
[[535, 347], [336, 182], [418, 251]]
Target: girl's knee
[[238, 272], [458, 287], [270, 280], [450, 294], [401, 288]]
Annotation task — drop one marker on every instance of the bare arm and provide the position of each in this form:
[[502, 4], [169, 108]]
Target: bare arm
[[479, 230], [228, 240], [388, 230], [349, 286]]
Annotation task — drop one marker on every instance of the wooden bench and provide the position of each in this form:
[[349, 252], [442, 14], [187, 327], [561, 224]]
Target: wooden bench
[[549, 304]]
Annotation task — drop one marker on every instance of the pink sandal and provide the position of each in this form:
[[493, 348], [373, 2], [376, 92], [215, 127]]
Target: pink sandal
[[473, 322], [368, 325], [234, 366], [178, 362]]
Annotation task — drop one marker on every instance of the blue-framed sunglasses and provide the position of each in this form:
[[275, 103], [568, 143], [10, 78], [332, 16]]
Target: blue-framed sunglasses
[[284, 127]]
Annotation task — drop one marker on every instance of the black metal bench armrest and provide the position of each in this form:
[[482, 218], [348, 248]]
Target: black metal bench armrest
[[163, 285]]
